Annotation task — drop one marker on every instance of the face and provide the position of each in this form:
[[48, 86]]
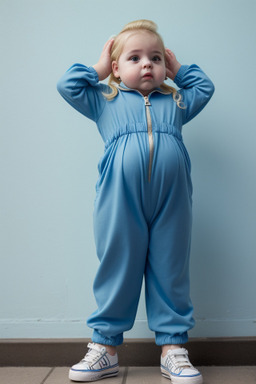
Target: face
[[141, 65]]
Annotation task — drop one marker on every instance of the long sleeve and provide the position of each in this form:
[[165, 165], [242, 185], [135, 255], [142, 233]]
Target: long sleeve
[[79, 86], [196, 89]]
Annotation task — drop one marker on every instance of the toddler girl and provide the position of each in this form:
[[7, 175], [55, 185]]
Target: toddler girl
[[142, 212]]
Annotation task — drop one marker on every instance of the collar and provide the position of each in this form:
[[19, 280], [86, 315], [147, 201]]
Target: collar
[[123, 87]]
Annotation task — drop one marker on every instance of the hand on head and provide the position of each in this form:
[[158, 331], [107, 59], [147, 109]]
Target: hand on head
[[172, 64], [104, 65]]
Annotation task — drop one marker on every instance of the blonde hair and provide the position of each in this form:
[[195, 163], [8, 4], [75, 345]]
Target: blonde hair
[[117, 48]]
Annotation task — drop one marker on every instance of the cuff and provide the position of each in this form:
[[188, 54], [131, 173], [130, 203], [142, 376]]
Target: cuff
[[180, 74]]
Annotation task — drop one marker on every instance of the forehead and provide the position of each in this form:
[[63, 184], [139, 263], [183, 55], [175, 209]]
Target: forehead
[[142, 40]]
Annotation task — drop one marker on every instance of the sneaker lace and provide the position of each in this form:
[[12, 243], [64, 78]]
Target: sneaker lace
[[179, 359], [92, 355]]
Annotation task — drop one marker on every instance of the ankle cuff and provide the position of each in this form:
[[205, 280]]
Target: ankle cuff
[[163, 339], [101, 339]]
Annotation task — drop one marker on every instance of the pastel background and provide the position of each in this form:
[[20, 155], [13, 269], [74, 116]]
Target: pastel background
[[49, 155]]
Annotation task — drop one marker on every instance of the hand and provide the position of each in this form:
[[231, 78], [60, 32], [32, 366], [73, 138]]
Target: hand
[[104, 67], [172, 64]]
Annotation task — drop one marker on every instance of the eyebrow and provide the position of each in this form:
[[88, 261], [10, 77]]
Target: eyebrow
[[139, 50]]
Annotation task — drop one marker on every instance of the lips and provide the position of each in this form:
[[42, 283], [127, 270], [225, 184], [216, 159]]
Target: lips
[[147, 75]]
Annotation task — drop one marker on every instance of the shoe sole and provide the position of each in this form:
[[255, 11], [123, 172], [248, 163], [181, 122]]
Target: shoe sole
[[92, 375], [182, 380]]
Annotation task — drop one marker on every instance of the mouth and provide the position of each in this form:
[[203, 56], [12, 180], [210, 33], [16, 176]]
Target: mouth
[[147, 75]]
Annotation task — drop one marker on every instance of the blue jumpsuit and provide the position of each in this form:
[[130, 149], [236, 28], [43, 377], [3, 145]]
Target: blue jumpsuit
[[142, 212]]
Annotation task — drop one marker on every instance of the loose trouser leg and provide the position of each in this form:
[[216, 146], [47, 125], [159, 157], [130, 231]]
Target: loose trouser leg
[[168, 301], [121, 237]]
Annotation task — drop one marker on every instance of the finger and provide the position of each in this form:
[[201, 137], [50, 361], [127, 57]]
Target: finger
[[168, 61], [168, 51], [168, 56], [108, 44], [106, 51]]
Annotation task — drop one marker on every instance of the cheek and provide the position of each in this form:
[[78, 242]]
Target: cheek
[[162, 73], [130, 76]]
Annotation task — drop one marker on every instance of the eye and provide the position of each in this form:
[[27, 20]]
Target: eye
[[156, 58], [134, 58]]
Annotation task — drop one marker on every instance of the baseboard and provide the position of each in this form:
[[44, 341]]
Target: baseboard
[[134, 352]]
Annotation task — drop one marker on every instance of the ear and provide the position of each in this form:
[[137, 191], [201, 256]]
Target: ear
[[115, 68]]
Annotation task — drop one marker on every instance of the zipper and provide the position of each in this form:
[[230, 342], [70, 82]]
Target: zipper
[[150, 136], [149, 126]]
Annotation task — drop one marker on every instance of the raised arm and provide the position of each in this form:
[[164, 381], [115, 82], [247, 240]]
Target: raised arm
[[80, 88], [195, 86]]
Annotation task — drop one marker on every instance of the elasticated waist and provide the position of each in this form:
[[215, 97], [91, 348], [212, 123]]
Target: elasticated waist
[[140, 128]]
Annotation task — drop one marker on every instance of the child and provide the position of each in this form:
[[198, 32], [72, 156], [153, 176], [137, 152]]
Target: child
[[142, 213]]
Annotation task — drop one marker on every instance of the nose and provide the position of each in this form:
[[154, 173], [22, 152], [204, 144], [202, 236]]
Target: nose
[[147, 63]]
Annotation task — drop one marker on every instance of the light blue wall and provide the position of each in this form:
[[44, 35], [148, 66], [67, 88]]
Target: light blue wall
[[49, 155]]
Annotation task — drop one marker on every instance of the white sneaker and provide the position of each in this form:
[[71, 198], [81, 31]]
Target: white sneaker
[[177, 367], [97, 364]]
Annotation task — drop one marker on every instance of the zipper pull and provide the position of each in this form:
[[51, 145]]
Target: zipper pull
[[147, 102]]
